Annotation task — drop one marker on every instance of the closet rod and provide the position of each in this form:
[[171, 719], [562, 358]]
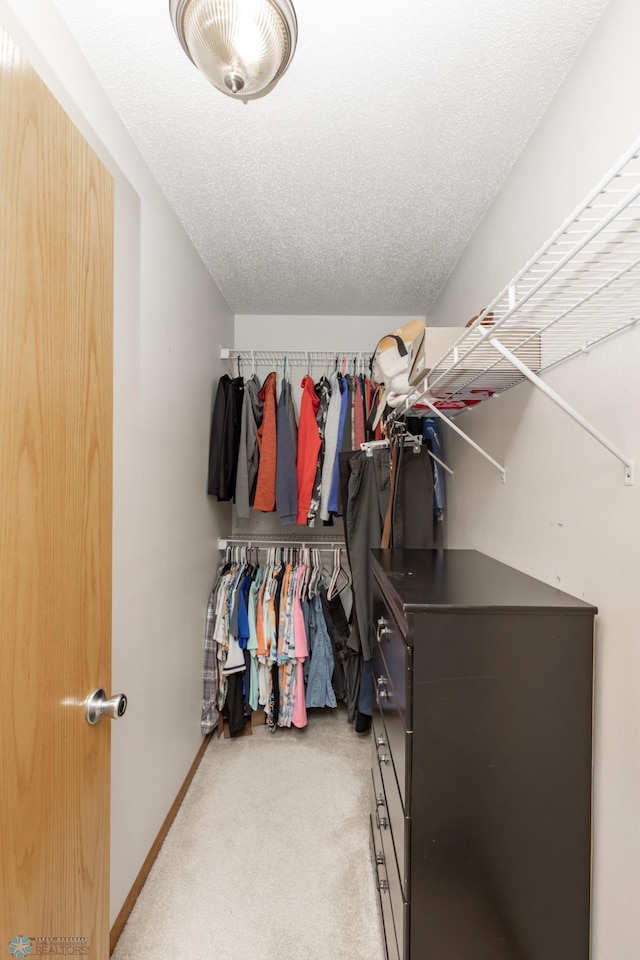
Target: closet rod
[[258, 541]]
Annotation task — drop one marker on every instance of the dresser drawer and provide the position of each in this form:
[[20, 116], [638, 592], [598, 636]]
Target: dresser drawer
[[397, 743], [384, 897], [390, 811], [390, 864], [392, 662]]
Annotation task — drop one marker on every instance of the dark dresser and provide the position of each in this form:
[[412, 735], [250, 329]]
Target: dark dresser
[[482, 760]]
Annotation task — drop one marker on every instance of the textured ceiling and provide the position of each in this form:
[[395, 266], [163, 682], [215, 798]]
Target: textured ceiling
[[353, 187]]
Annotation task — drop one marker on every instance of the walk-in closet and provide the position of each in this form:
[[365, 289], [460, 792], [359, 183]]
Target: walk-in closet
[[320, 443]]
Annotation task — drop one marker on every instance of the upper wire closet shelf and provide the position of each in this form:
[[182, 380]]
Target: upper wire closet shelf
[[296, 358], [581, 288]]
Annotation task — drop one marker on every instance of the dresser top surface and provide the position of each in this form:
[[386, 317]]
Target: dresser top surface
[[465, 580]]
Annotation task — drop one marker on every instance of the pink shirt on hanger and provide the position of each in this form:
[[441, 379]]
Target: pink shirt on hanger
[[301, 650]]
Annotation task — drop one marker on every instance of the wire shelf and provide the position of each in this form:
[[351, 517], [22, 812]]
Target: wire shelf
[[580, 289], [331, 359]]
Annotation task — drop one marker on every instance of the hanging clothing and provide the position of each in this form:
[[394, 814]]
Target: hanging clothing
[[215, 435], [231, 439], [347, 430], [301, 651], [292, 417], [358, 415], [431, 431], [368, 491], [372, 395], [323, 392], [265, 498], [332, 427], [286, 479], [344, 407], [338, 630], [234, 659], [252, 643], [319, 689], [209, 716], [309, 444], [224, 438], [233, 709], [248, 454], [267, 643]]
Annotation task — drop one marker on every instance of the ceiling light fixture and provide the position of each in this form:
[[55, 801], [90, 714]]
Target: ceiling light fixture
[[242, 46]]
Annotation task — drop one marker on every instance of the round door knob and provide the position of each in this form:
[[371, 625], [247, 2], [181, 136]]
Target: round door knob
[[98, 705]]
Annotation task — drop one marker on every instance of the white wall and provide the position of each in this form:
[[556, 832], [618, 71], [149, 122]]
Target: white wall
[[564, 514], [169, 321], [592, 120], [342, 334]]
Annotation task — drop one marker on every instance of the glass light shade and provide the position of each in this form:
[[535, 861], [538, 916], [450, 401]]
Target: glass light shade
[[241, 46]]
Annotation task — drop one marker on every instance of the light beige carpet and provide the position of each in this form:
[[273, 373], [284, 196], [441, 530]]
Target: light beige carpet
[[268, 857]]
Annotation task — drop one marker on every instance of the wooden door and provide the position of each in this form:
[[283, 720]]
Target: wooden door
[[56, 294]]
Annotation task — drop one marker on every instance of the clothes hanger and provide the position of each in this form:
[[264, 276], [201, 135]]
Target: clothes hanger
[[340, 579], [315, 572], [334, 575], [306, 572]]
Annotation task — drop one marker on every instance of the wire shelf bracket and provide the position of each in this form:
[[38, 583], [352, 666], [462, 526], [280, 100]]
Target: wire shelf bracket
[[571, 411], [461, 433]]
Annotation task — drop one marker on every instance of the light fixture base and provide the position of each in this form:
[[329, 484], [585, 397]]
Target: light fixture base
[[243, 47]]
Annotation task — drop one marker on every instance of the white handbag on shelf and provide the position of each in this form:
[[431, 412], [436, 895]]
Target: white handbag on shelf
[[390, 365]]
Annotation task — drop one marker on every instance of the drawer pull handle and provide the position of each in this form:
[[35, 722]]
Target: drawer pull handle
[[381, 741], [383, 694], [383, 885], [380, 859], [380, 801], [382, 629], [384, 758], [382, 823]]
